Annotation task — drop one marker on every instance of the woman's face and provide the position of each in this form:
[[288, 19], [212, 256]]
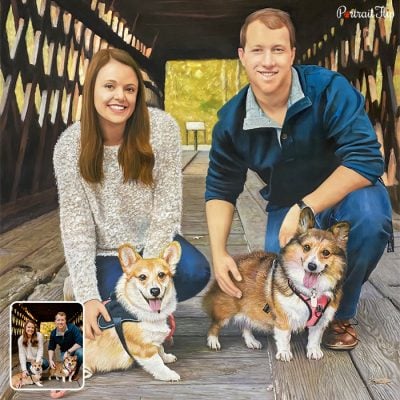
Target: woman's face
[[115, 93], [29, 329]]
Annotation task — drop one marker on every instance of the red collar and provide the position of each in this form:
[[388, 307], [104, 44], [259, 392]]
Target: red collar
[[316, 305]]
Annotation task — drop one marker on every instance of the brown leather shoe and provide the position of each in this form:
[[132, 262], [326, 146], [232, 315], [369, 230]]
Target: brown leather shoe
[[340, 335]]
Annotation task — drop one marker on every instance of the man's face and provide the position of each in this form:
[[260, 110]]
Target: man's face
[[61, 322], [267, 58]]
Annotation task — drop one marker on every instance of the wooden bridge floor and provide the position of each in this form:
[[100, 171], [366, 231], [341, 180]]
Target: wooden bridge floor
[[32, 268]]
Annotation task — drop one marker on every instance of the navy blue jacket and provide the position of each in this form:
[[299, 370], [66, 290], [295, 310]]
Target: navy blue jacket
[[71, 336], [327, 128]]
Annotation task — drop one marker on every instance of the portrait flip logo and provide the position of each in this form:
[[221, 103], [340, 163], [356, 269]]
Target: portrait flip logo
[[377, 12]]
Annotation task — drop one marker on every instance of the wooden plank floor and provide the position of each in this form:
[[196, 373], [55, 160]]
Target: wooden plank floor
[[371, 371]]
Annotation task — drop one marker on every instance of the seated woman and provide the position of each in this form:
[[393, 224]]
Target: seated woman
[[119, 181], [30, 348]]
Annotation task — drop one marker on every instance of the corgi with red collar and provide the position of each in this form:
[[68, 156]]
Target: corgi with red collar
[[297, 289], [145, 297]]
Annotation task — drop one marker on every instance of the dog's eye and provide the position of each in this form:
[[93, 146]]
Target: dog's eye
[[161, 275], [142, 277], [306, 248], [326, 253]]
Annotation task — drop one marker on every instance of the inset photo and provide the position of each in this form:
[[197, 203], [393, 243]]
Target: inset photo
[[46, 345]]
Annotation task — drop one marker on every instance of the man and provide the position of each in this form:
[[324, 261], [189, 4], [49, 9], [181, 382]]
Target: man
[[69, 338], [304, 130]]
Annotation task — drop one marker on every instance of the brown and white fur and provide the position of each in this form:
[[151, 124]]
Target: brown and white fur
[[64, 369], [314, 261], [35, 376], [135, 291]]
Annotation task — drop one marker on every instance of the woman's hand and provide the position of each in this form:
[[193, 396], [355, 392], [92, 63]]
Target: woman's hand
[[52, 364], [289, 225], [25, 374], [92, 309]]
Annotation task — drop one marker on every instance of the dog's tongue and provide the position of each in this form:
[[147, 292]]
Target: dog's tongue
[[155, 304], [310, 279]]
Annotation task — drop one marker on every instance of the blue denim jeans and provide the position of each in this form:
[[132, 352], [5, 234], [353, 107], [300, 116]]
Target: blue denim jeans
[[192, 272], [369, 213], [78, 353]]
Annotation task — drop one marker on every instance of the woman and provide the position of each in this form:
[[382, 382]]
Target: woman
[[119, 181], [30, 348]]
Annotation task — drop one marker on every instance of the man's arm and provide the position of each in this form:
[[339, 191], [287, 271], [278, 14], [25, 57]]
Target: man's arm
[[334, 189], [219, 220], [51, 361]]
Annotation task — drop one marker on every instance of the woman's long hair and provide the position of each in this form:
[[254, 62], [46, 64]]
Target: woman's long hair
[[135, 155], [34, 338]]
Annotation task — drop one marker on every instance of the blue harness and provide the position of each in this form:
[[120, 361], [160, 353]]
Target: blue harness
[[118, 315]]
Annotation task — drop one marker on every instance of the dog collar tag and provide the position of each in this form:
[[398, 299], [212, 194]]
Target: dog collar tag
[[314, 300]]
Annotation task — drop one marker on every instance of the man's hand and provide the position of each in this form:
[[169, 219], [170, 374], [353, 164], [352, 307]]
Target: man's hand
[[92, 309], [25, 374], [289, 225], [222, 266]]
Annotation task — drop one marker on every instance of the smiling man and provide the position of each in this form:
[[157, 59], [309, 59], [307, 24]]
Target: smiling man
[[69, 338], [304, 131]]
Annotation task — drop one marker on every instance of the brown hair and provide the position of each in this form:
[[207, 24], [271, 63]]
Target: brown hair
[[34, 338], [61, 314], [273, 19], [135, 154]]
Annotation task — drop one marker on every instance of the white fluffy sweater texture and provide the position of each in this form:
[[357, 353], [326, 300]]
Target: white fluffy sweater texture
[[96, 219], [30, 353]]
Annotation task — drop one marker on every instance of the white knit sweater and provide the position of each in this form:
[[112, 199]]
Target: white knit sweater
[[96, 219], [30, 353]]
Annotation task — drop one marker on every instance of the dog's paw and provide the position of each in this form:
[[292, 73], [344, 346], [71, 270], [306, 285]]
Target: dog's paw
[[314, 353], [253, 343], [284, 355], [168, 358], [213, 342], [87, 373], [167, 375]]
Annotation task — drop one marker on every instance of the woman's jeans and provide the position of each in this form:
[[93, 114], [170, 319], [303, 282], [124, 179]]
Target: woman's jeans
[[369, 213], [192, 272]]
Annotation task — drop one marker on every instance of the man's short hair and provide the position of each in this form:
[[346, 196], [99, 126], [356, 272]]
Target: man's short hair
[[62, 314], [271, 18]]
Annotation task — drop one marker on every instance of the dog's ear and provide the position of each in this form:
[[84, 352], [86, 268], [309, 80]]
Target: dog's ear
[[306, 220], [341, 232], [172, 254], [127, 257]]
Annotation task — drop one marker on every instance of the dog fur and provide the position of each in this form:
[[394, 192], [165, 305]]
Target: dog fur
[[314, 260], [19, 380], [65, 369], [144, 339]]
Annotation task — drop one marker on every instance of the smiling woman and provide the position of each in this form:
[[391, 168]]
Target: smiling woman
[[119, 181]]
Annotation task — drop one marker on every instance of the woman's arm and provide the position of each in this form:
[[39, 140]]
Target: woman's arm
[[22, 354], [76, 221], [167, 198], [77, 229], [39, 354]]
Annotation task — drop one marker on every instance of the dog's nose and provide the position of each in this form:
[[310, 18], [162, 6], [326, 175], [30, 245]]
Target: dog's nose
[[312, 266], [155, 291]]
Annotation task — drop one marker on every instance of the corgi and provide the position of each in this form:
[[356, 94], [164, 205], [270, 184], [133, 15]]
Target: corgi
[[65, 369], [34, 377], [146, 293], [297, 289]]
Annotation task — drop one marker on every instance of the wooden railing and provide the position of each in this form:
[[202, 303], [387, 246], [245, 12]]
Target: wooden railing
[[366, 51]]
